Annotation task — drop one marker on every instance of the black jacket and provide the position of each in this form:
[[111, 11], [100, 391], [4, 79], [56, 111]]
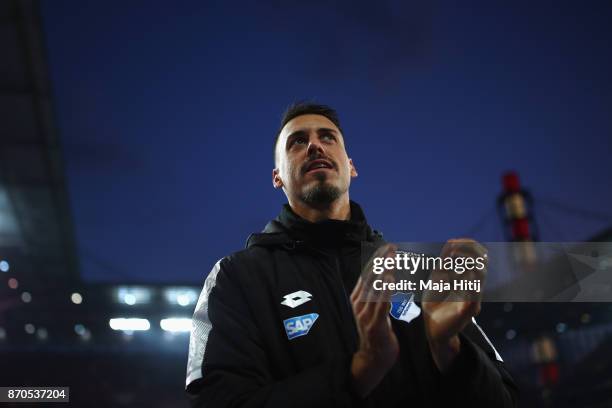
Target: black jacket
[[247, 351]]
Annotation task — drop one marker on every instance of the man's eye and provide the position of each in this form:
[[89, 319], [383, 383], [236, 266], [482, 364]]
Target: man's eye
[[328, 136], [299, 140]]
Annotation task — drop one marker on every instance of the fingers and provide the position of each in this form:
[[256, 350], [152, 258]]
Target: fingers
[[470, 266], [382, 252], [357, 298], [357, 290], [371, 312], [381, 310], [377, 305], [371, 307], [364, 290], [463, 247], [373, 321], [470, 309]]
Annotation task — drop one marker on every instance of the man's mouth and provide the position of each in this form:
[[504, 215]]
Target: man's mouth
[[318, 165]]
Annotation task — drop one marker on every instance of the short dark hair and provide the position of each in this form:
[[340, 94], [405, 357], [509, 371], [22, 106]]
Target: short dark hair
[[306, 108]]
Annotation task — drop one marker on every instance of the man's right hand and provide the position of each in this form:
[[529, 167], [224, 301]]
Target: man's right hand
[[378, 345]]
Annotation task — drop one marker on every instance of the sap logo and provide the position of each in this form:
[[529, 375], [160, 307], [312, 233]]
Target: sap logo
[[299, 325], [295, 299]]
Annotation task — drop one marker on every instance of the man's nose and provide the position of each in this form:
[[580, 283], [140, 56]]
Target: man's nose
[[315, 148]]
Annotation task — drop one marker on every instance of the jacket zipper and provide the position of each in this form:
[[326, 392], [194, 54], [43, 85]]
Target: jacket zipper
[[347, 303]]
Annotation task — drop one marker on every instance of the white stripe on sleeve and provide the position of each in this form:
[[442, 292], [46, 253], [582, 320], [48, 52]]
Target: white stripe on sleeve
[[200, 328]]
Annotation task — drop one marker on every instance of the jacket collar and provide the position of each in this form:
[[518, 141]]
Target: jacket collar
[[289, 228]]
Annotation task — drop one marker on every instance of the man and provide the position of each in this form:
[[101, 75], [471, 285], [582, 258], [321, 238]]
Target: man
[[283, 323]]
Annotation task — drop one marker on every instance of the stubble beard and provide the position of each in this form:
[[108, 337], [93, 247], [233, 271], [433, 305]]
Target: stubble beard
[[322, 193]]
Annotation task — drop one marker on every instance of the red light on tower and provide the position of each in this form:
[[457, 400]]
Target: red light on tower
[[511, 182], [520, 230], [516, 210]]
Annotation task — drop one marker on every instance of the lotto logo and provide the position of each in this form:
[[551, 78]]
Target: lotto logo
[[295, 299]]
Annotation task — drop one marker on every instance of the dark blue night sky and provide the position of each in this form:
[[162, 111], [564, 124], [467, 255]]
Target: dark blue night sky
[[167, 113]]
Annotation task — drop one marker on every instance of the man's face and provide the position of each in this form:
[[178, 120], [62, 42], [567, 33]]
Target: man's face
[[311, 161]]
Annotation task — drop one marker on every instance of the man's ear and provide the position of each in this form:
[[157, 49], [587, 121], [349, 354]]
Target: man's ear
[[276, 180], [353, 168]]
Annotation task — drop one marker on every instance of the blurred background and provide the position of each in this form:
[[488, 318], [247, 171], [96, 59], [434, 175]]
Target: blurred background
[[136, 150]]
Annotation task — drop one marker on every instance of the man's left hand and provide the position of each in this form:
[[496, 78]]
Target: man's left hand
[[446, 318]]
